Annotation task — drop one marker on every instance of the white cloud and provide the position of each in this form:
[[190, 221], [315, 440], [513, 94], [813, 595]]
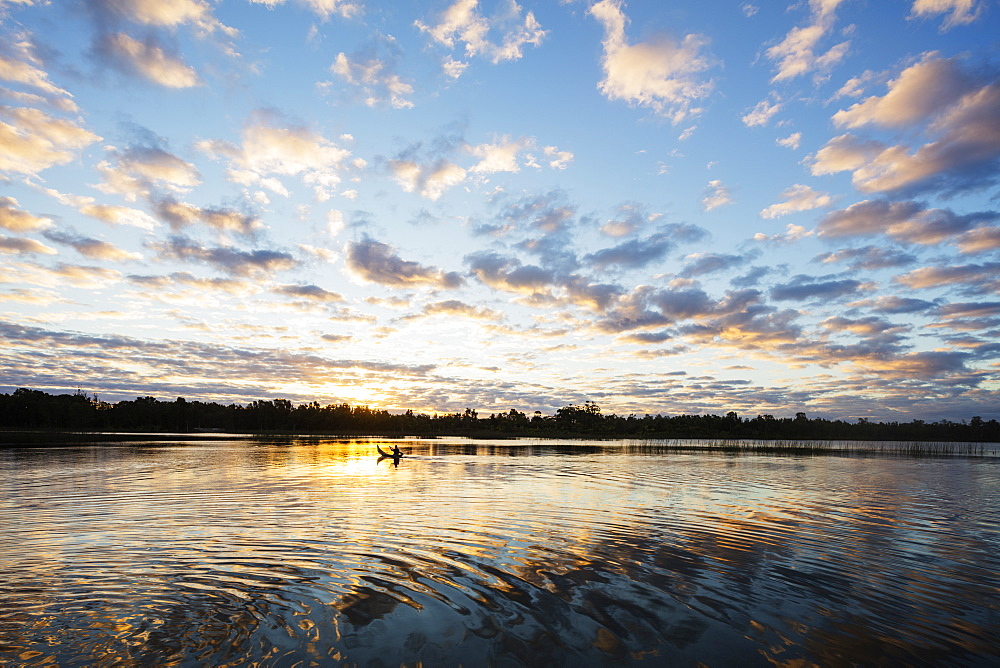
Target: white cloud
[[661, 74], [31, 140], [138, 171], [15, 219], [761, 114], [792, 141], [375, 78], [499, 157], [270, 150], [797, 198], [149, 60], [461, 23], [558, 159], [429, 181], [716, 195], [796, 53], [324, 8], [962, 12]]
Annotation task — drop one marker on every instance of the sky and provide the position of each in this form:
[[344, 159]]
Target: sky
[[661, 206]]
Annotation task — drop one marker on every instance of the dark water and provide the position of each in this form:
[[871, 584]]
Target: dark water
[[472, 553]]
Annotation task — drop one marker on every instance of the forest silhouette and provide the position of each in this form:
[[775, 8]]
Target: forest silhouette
[[27, 409]]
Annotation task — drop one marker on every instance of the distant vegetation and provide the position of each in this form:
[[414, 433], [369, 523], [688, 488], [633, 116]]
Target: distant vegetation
[[27, 409]]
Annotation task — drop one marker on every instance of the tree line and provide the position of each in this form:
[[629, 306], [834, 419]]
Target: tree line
[[27, 409]]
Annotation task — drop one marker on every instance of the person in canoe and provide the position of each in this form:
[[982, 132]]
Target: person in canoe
[[395, 453]]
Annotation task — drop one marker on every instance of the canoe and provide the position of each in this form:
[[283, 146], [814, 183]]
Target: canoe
[[387, 454]]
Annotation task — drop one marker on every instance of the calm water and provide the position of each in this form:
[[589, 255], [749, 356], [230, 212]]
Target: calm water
[[478, 553]]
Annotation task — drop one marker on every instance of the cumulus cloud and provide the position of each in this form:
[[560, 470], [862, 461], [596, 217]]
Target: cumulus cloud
[[377, 262], [373, 73], [501, 156], [893, 304], [700, 264], [539, 286], [31, 140], [165, 13], [797, 53], [980, 240], [792, 141], [797, 198], [141, 170], [869, 258], [456, 308], [227, 259], [633, 253], [20, 245], [960, 12], [271, 149], [93, 249], [309, 292], [462, 24], [430, 180], [962, 147], [716, 194], [19, 63], [978, 277], [802, 288], [792, 234], [147, 59], [761, 114], [181, 214], [16, 219], [662, 74], [323, 8], [904, 221]]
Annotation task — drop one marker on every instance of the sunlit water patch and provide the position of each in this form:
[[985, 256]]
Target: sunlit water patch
[[247, 552]]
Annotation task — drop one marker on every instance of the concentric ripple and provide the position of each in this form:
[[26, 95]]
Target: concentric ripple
[[463, 553]]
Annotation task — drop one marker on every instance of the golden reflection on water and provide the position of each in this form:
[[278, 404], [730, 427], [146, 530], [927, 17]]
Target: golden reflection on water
[[264, 553]]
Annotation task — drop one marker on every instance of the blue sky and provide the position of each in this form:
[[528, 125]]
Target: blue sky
[[764, 207]]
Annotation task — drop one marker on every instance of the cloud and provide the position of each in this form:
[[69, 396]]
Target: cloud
[[797, 198], [501, 156], [869, 258], [920, 92], [634, 253], [61, 275], [231, 286], [377, 262], [227, 259], [324, 8], [541, 287], [372, 72], [661, 74], [309, 292], [272, 148], [962, 147], [461, 23], [962, 12], [141, 170], [18, 220], [146, 59], [906, 221], [165, 13], [894, 305], [700, 264], [453, 308], [796, 53], [180, 214], [793, 233], [19, 63], [93, 249], [17, 245], [792, 141], [716, 195], [802, 288], [761, 114], [31, 140], [557, 159], [978, 277], [979, 240], [431, 180]]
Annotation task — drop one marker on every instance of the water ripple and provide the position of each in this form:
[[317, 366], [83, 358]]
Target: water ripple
[[276, 554]]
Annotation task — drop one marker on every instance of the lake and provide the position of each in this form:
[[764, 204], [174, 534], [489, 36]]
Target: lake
[[287, 552]]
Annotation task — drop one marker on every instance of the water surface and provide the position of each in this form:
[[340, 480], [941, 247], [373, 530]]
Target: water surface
[[246, 552]]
